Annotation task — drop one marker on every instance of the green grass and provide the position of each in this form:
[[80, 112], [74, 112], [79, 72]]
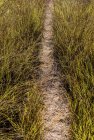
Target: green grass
[[74, 52], [20, 36]]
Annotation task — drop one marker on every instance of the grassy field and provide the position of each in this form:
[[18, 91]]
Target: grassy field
[[1, 2], [74, 52], [20, 36]]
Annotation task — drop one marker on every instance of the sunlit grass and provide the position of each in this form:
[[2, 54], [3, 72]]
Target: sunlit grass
[[74, 51], [20, 102], [1, 2]]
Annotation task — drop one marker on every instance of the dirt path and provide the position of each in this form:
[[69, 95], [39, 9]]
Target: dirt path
[[56, 111]]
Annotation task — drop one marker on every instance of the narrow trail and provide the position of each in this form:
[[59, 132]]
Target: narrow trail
[[56, 111]]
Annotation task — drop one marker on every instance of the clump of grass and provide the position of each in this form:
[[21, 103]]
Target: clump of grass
[[20, 112], [20, 36], [74, 52]]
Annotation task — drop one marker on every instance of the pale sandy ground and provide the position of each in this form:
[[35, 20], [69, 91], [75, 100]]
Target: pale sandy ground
[[56, 113]]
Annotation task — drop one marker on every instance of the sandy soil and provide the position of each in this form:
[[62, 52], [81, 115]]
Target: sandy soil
[[56, 113]]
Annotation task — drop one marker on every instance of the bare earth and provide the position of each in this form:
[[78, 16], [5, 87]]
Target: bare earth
[[56, 112]]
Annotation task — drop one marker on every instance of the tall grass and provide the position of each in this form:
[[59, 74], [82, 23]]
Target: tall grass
[[74, 52], [20, 36]]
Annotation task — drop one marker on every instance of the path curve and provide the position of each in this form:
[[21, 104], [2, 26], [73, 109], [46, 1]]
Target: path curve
[[56, 111]]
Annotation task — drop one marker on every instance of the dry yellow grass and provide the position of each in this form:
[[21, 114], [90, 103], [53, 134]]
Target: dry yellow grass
[[20, 36], [74, 51]]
